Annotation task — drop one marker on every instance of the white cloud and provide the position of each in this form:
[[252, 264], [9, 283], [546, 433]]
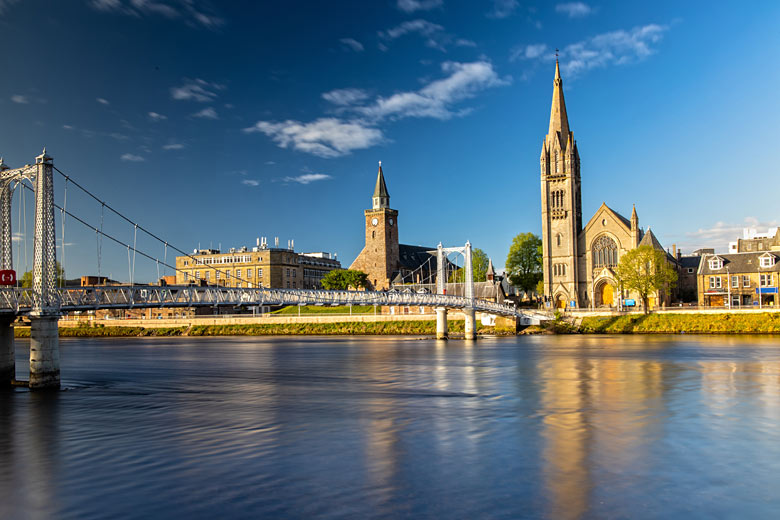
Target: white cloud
[[154, 116], [423, 27], [68, 127], [102, 101], [173, 146], [612, 48], [345, 96], [196, 90], [206, 113], [18, 98], [307, 178], [502, 8], [351, 44], [528, 52], [720, 234], [435, 99], [129, 157], [324, 137], [250, 182], [574, 9], [410, 6], [192, 12]]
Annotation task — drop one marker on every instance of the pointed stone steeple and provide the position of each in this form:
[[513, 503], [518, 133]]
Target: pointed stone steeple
[[559, 121], [381, 198], [636, 234], [490, 274]]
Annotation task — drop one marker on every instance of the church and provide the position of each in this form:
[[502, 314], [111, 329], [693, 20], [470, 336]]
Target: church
[[579, 261]]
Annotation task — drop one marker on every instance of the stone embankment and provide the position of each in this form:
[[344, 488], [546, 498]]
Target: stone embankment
[[672, 323]]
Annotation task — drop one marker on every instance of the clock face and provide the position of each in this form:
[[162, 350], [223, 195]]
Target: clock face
[[374, 222], [391, 222]]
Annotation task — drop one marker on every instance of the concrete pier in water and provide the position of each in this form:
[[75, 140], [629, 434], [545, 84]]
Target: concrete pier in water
[[441, 323], [44, 353], [470, 327]]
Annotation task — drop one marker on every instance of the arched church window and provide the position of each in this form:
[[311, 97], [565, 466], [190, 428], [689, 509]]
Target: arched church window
[[373, 234], [605, 252], [558, 239]]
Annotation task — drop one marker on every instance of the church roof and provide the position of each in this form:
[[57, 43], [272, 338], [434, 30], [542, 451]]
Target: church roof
[[412, 257], [380, 190], [620, 218], [650, 240], [559, 120]]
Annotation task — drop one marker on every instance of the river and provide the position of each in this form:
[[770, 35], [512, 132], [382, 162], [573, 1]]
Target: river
[[327, 427]]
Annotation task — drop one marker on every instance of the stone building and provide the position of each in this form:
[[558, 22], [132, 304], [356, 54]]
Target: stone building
[[263, 266], [754, 241], [579, 261], [739, 280], [383, 259]]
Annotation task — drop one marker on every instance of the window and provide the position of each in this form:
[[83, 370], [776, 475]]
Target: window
[[249, 273], [288, 284], [716, 263], [745, 280], [690, 270], [734, 281], [227, 273], [767, 261], [558, 239], [259, 273], [295, 273], [238, 273], [208, 276], [293, 285], [559, 269], [197, 275], [605, 252], [217, 277], [288, 274], [715, 282], [766, 280]]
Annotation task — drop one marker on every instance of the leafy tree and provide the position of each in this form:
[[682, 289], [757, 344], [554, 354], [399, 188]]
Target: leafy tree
[[645, 270], [479, 265], [342, 279], [27, 278], [524, 262]]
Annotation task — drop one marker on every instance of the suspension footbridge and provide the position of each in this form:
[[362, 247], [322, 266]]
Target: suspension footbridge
[[45, 302]]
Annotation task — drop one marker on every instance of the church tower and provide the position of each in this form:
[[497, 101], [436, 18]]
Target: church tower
[[380, 256], [561, 203]]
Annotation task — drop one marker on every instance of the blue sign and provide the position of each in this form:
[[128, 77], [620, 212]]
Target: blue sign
[[629, 303], [767, 290], [572, 304]]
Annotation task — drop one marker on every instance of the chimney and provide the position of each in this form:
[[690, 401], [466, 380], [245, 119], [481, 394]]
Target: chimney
[[276, 241]]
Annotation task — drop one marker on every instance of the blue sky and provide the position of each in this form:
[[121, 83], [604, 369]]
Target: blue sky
[[213, 123]]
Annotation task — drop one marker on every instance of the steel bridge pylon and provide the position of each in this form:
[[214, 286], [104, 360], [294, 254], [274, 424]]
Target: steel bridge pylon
[[470, 329], [44, 336]]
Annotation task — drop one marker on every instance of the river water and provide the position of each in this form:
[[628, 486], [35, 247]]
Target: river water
[[528, 427]]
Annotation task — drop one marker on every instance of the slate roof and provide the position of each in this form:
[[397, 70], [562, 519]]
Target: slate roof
[[412, 257], [738, 263], [690, 261], [650, 240]]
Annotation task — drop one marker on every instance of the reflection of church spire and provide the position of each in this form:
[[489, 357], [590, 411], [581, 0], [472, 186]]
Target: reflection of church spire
[[381, 197], [559, 121]]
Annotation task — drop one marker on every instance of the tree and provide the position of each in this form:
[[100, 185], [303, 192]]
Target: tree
[[27, 278], [342, 279], [645, 270], [479, 265], [524, 262]]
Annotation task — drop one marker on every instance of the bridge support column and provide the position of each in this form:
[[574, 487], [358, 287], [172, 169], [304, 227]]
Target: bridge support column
[[441, 323], [470, 328], [7, 353], [44, 352]]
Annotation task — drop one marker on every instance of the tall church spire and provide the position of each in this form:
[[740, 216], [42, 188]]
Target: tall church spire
[[381, 198], [559, 121]]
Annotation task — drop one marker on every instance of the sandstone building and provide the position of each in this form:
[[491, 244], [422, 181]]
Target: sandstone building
[[579, 261]]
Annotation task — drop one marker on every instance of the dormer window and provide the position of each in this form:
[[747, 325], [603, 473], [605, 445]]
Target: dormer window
[[768, 260], [716, 263]]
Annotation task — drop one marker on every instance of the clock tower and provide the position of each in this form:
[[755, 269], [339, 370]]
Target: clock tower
[[379, 258]]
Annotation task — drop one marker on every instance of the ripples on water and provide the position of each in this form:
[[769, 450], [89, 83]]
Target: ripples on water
[[527, 427]]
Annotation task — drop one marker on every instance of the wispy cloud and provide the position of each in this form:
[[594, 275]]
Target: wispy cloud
[[173, 146], [324, 137], [611, 48], [410, 6], [206, 113], [68, 127], [721, 233], [102, 101], [196, 90], [345, 96], [502, 8], [154, 116], [307, 178], [574, 9], [20, 99], [129, 157], [196, 13], [335, 137], [5, 4], [250, 182], [351, 44], [434, 34]]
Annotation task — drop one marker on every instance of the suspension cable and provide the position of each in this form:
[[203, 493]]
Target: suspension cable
[[62, 221]]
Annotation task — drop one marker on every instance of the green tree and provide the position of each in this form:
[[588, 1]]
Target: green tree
[[27, 278], [479, 266], [645, 270], [342, 279], [524, 262]]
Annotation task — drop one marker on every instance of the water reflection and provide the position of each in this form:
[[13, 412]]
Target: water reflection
[[546, 427]]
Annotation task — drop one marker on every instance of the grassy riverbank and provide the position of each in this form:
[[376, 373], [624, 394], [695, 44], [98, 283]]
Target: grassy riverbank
[[382, 328], [747, 323]]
